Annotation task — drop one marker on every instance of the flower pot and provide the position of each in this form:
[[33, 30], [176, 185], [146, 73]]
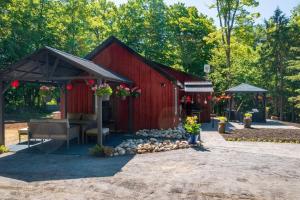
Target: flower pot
[[221, 127], [193, 139], [247, 122], [105, 98]]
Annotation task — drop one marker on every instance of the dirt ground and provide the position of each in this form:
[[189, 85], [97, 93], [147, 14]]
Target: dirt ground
[[214, 173], [11, 133], [221, 171], [264, 134]]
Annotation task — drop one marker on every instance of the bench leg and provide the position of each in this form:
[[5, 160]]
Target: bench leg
[[19, 138]]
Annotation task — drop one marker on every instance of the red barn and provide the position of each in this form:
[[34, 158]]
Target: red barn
[[164, 90]]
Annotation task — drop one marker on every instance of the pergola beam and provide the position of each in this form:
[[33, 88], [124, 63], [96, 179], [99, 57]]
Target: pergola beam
[[62, 78]]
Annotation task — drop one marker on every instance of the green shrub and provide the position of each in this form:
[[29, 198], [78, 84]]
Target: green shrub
[[222, 119], [99, 151], [248, 115], [3, 149]]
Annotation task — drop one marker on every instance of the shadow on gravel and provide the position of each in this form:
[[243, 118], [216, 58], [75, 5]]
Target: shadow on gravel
[[200, 148], [52, 161]]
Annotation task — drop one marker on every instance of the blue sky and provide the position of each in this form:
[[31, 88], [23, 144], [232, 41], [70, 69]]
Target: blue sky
[[265, 8]]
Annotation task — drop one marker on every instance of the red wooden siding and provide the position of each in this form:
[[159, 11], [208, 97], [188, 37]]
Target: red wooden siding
[[155, 107], [80, 98]]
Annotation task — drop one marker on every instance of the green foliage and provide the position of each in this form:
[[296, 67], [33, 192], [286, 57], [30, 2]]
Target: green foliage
[[222, 119], [192, 126], [99, 151], [122, 91], [248, 115], [103, 90], [3, 149]]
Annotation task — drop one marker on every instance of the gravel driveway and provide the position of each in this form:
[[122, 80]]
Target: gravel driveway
[[222, 171]]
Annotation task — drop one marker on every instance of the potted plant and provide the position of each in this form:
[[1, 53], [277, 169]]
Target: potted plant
[[192, 127], [222, 124], [103, 90], [122, 91], [247, 120], [46, 93], [135, 92]]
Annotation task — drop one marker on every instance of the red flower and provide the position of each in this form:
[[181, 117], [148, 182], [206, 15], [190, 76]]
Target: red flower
[[69, 86], [91, 82], [15, 84]]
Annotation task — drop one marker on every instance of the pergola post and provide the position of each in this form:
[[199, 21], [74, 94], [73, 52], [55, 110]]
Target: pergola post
[[264, 107], [130, 113], [230, 108], [99, 116], [65, 92], [2, 129]]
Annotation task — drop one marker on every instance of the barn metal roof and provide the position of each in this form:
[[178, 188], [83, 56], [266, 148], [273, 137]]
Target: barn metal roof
[[198, 86], [48, 64], [244, 87]]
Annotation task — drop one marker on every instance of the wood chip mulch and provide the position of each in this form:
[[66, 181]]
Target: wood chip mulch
[[264, 135]]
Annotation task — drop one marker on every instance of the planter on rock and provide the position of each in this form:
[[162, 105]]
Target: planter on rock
[[247, 122], [221, 127]]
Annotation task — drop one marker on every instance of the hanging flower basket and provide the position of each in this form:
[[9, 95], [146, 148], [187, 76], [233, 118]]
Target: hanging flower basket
[[103, 90], [135, 92], [122, 91]]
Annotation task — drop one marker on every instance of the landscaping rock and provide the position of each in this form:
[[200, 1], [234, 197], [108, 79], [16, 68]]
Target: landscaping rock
[[176, 133]]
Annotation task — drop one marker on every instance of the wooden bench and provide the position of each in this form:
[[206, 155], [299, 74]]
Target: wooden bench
[[56, 129]]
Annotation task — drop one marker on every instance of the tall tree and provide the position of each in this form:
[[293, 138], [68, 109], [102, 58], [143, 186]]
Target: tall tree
[[293, 71], [274, 56], [228, 13], [187, 29]]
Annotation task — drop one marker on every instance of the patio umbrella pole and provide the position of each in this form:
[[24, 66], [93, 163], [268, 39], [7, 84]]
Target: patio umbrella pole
[[99, 117]]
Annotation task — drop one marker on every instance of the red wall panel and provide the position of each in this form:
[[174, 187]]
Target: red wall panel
[[155, 107]]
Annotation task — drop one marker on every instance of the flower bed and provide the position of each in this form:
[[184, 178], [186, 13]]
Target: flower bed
[[264, 135]]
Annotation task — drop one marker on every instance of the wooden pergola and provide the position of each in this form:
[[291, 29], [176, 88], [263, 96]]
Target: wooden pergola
[[51, 66]]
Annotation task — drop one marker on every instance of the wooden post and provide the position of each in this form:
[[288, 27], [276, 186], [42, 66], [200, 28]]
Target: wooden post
[[99, 117], [130, 113], [65, 102], [2, 129], [230, 105], [264, 107]]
